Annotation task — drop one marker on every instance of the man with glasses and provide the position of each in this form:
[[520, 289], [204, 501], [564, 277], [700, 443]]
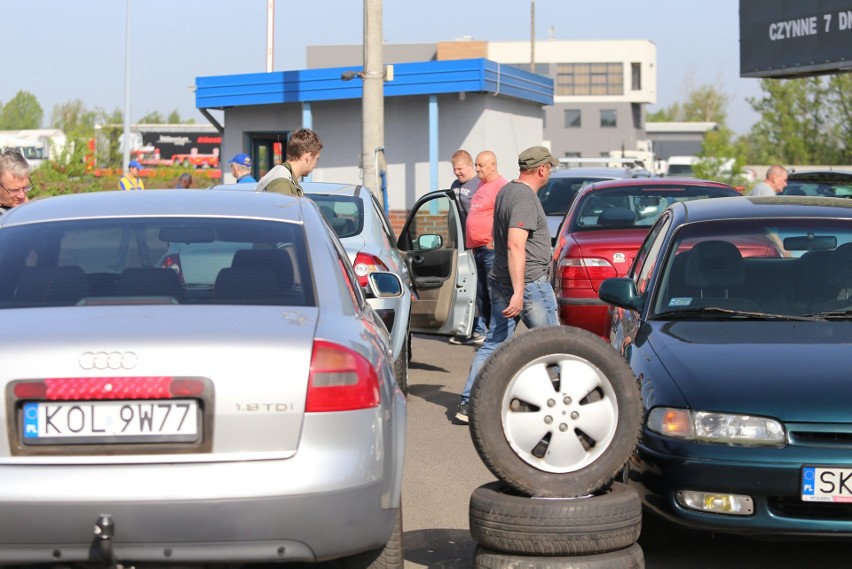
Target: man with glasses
[[519, 281], [14, 180]]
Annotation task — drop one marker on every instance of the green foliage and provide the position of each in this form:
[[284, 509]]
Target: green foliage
[[703, 104], [802, 121], [722, 158], [672, 113], [51, 179], [152, 118], [74, 119], [21, 112]]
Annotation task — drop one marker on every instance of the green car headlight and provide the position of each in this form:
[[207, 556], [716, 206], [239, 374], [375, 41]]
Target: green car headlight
[[712, 427]]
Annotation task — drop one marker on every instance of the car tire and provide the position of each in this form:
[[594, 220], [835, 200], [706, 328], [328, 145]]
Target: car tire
[[504, 521], [390, 556], [555, 412], [400, 368], [628, 558]]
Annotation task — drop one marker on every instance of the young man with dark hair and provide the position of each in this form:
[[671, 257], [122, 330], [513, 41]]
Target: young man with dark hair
[[303, 153]]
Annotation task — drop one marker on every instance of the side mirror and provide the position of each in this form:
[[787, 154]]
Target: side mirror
[[384, 285], [620, 292], [429, 241]]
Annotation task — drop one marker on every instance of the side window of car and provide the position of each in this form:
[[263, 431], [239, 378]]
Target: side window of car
[[649, 254], [433, 226]]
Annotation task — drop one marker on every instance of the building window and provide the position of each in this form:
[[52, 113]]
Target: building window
[[589, 79], [609, 118], [636, 76], [572, 155], [573, 118]]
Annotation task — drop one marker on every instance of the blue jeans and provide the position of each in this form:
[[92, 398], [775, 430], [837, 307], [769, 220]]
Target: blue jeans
[[484, 258], [539, 310]]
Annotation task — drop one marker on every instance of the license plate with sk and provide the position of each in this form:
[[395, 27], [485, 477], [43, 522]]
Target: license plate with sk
[[78, 422], [826, 484]]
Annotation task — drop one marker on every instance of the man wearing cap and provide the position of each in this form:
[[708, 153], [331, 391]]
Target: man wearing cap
[[519, 282], [241, 169], [131, 180]]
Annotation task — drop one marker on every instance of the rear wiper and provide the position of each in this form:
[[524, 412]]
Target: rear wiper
[[832, 314], [738, 314]]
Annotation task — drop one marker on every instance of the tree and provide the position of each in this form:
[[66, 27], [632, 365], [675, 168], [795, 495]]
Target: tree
[[21, 112], [702, 104], [152, 118], [722, 158], [840, 94], [798, 122], [74, 119]]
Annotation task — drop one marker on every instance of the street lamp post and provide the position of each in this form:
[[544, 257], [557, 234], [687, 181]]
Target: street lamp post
[[126, 154]]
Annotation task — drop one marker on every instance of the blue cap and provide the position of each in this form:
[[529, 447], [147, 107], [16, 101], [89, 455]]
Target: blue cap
[[134, 164], [241, 159]]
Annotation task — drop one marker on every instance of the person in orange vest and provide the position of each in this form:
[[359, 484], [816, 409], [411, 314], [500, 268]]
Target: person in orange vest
[[131, 181]]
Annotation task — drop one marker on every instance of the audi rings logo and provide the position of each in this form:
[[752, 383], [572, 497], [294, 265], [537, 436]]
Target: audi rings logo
[[108, 360]]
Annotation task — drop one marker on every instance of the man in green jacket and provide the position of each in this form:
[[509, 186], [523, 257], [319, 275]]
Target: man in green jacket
[[303, 152]]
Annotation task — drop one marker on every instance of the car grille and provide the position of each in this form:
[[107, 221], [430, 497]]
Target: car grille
[[815, 438], [794, 508]]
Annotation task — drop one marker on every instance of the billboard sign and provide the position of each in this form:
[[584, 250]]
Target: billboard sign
[[792, 38]]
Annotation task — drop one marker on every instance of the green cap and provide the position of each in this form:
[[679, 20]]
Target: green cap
[[534, 157]]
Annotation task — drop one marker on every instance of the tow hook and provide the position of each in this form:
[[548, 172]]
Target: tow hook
[[104, 532]]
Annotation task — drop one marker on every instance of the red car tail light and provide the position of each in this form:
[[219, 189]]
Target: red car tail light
[[581, 273], [340, 380], [365, 264], [107, 388]]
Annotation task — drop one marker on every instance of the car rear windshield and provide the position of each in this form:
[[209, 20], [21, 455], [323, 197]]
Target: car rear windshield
[[632, 207], [345, 214], [559, 193], [167, 260]]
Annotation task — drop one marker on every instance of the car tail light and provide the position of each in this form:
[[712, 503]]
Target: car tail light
[[340, 380], [173, 262], [107, 388], [365, 264], [584, 272]]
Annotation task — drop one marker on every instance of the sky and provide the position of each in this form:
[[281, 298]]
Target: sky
[[61, 50]]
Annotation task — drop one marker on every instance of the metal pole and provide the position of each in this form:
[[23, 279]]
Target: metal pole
[[372, 102], [532, 36], [270, 35], [126, 154]]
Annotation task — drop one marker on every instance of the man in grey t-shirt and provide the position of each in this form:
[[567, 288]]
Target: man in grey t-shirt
[[775, 182], [518, 285]]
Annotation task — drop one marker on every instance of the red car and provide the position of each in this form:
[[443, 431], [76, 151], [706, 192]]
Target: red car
[[601, 234]]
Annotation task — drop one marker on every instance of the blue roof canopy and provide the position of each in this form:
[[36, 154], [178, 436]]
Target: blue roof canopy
[[421, 78]]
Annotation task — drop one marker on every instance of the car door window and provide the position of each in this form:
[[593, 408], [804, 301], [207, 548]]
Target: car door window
[[649, 254], [433, 217]]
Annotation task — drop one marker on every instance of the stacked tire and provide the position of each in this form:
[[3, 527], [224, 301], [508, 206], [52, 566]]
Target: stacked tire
[[555, 414]]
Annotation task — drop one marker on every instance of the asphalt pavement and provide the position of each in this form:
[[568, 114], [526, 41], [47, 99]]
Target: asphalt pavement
[[442, 469]]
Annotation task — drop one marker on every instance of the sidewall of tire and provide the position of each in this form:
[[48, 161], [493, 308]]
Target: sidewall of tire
[[501, 520], [628, 558], [486, 424]]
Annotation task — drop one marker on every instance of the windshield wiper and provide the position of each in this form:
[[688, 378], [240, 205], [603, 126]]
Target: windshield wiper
[[727, 312], [832, 314]]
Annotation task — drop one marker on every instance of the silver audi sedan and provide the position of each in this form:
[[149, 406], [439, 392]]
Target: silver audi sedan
[[150, 417]]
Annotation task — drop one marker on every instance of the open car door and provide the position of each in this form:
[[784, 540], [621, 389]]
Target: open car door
[[442, 270]]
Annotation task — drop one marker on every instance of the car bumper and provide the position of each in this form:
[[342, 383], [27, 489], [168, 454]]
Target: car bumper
[[773, 486], [324, 502], [586, 313]]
